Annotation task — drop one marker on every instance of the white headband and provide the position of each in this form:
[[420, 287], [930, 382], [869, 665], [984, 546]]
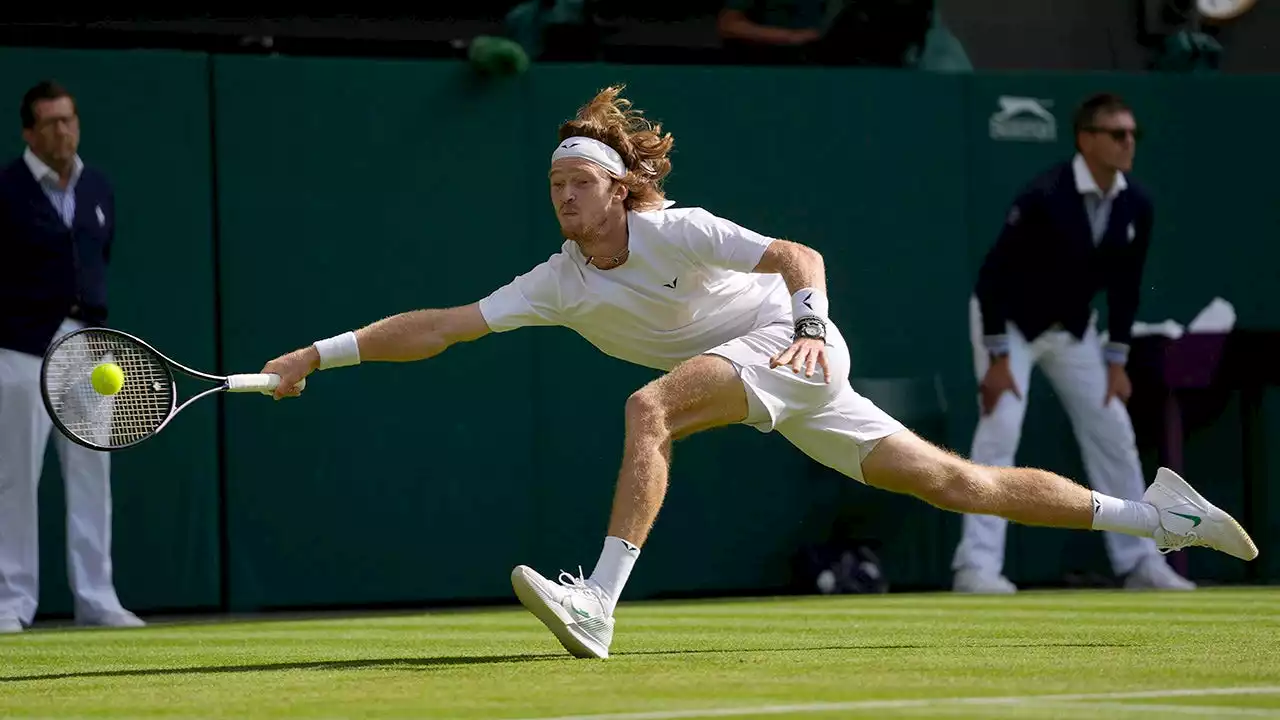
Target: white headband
[[594, 151]]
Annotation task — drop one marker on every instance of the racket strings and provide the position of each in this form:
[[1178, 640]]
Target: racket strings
[[136, 411]]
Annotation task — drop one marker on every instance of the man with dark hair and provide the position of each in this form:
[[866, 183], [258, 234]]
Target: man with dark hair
[[57, 223], [1079, 228]]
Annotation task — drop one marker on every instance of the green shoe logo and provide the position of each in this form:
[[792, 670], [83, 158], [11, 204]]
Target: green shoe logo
[[586, 614], [1195, 519]]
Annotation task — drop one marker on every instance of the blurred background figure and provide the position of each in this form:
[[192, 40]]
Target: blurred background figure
[[57, 223], [771, 31], [870, 33]]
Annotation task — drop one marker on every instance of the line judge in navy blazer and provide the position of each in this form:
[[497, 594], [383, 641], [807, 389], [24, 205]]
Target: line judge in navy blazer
[[1079, 229], [57, 225]]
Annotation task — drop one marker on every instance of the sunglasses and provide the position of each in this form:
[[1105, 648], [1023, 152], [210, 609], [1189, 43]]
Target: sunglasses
[[1117, 134]]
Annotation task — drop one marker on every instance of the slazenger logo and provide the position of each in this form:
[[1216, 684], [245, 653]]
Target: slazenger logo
[[1023, 118]]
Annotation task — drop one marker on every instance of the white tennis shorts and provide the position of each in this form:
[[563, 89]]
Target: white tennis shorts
[[828, 422]]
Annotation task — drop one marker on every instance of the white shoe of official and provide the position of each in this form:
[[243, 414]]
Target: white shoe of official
[[118, 619], [9, 624], [1153, 573], [571, 609], [1188, 520], [974, 581]]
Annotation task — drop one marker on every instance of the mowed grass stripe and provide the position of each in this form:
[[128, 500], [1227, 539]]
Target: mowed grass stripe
[[501, 663]]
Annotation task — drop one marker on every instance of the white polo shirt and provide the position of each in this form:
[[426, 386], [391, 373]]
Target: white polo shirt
[[685, 288], [1096, 203]]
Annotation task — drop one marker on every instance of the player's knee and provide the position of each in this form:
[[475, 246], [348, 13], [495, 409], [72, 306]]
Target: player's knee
[[960, 486], [645, 414]]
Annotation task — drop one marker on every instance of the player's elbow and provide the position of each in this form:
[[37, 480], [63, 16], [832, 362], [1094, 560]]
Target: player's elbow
[[783, 255], [460, 324], [811, 257], [807, 260], [419, 334]]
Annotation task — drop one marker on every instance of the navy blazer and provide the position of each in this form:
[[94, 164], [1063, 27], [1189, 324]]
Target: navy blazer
[[1045, 269], [50, 272]]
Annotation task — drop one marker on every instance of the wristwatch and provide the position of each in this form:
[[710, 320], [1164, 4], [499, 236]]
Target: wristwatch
[[811, 328]]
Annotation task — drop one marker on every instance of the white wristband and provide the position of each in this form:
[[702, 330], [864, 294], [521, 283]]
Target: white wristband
[[338, 351], [808, 302]]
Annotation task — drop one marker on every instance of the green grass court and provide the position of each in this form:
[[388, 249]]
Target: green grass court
[[1210, 653]]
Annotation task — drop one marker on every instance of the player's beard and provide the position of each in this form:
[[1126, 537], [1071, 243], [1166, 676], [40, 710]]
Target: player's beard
[[586, 235]]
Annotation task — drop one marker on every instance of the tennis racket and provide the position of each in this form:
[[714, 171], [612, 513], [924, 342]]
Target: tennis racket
[[146, 402]]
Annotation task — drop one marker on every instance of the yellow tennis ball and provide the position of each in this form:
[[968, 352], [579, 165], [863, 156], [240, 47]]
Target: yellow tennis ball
[[107, 378]]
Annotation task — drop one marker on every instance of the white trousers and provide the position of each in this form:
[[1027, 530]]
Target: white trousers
[[24, 434], [1078, 373]]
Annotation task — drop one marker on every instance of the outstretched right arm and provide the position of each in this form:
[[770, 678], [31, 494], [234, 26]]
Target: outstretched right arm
[[409, 336], [530, 299], [419, 334]]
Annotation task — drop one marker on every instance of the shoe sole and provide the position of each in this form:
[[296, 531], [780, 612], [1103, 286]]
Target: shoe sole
[[569, 636], [1172, 480]]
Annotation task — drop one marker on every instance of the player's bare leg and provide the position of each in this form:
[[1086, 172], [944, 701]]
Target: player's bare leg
[[905, 463], [702, 393], [1171, 511]]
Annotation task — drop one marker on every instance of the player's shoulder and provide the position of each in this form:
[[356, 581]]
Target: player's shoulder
[[684, 231], [558, 262], [569, 256], [670, 214], [680, 221]]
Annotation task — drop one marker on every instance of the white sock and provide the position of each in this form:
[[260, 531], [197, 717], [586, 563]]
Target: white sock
[[1125, 516], [613, 568]]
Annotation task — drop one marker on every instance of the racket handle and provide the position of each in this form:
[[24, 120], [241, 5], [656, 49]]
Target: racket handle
[[265, 383]]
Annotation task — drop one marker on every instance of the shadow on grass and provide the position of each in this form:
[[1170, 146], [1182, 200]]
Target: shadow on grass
[[453, 660], [365, 664]]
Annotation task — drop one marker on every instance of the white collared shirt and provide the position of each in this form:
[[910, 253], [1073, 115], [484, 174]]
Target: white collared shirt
[[1096, 203], [64, 200], [686, 287]]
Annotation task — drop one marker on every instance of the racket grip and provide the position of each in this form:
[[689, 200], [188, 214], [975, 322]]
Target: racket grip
[[265, 383]]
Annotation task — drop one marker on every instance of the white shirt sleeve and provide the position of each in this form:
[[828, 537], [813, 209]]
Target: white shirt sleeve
[[722, 243], [530, 299]]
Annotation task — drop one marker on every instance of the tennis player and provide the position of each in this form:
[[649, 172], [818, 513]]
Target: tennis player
[[739, 324]]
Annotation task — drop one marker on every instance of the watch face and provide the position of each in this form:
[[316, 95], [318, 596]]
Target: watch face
[[810, 331]]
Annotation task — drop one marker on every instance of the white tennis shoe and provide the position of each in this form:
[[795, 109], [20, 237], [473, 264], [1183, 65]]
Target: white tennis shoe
[[1188, 520], [571, 609]]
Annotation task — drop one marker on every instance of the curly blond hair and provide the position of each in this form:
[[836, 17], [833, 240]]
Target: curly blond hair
[[609, 118]]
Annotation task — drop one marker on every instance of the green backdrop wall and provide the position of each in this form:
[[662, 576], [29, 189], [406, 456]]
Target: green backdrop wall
[[347, 190]]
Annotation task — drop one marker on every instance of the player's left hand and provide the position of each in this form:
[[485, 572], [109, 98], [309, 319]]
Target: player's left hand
[[806, 354], [1118, 385]]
